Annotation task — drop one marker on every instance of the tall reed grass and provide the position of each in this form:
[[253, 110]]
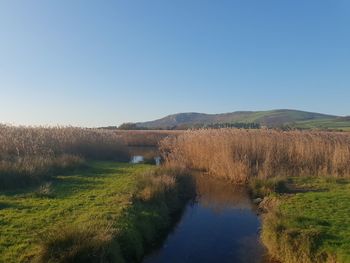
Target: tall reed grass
[[238, 154], [144, 138], [32, 154], [41, 141]]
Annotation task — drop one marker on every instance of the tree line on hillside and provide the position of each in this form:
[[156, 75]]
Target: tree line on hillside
[[241, 125]]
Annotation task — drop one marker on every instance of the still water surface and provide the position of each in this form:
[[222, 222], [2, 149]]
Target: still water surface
[[219, 226], [144, 154]]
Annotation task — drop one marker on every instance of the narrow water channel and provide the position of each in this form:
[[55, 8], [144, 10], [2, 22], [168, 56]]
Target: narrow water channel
[[219, 226]]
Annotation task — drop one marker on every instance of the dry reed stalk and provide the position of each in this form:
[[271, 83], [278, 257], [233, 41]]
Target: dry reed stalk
[[238, 154], [44, 141], [33, 154]]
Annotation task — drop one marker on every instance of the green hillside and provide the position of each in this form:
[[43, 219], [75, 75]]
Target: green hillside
[[271, 119]]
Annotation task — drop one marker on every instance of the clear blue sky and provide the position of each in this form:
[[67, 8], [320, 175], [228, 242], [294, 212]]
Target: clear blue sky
[[93, 63]]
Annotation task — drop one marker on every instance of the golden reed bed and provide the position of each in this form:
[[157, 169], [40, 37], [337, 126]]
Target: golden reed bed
[[32, 154], [238, 154]]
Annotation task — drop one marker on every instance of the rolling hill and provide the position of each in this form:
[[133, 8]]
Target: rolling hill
[[271, 119]]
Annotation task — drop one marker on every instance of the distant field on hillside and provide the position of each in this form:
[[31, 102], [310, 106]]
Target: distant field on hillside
[[336, 124]]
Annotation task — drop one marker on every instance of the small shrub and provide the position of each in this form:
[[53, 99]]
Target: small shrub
[[85, 243], [45, 190], [264, 187]]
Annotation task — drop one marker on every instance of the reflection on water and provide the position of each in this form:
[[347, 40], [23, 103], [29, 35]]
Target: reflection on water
[[219, 226], [140, 154], [137, 159], [220, 195], [157, 160], [140, 159]]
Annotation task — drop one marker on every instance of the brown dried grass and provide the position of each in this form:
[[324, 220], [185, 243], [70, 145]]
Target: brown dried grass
[[52, 141], [32, 154], [144, 138], [238, 154]]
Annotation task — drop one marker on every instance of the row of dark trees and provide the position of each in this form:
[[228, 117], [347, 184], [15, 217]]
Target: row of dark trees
[[241, 125]]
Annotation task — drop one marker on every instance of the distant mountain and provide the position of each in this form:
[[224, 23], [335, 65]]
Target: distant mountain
[[273, 118]]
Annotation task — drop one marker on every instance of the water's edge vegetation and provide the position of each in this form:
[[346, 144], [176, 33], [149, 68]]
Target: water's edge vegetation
[[300, 179], [30, 156], [305, 219], [108, 212], [63, 197]]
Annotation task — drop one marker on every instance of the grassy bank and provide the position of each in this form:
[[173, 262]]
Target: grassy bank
[[308, 221], [108, 212]]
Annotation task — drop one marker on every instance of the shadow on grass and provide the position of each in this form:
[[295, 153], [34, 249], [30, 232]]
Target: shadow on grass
[[288, 186], [292, 189], [86, 179], [96, 171], [342, 181], [6, 205], [306, 221], [69, 182]]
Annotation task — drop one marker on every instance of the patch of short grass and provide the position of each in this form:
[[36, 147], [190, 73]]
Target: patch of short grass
[[95, 196], [313, 224], [263, 187]]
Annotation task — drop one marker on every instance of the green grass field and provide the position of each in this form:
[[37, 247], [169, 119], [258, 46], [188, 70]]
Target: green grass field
[[312, 224], [323, 124], [97, 195], [99, 198]]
